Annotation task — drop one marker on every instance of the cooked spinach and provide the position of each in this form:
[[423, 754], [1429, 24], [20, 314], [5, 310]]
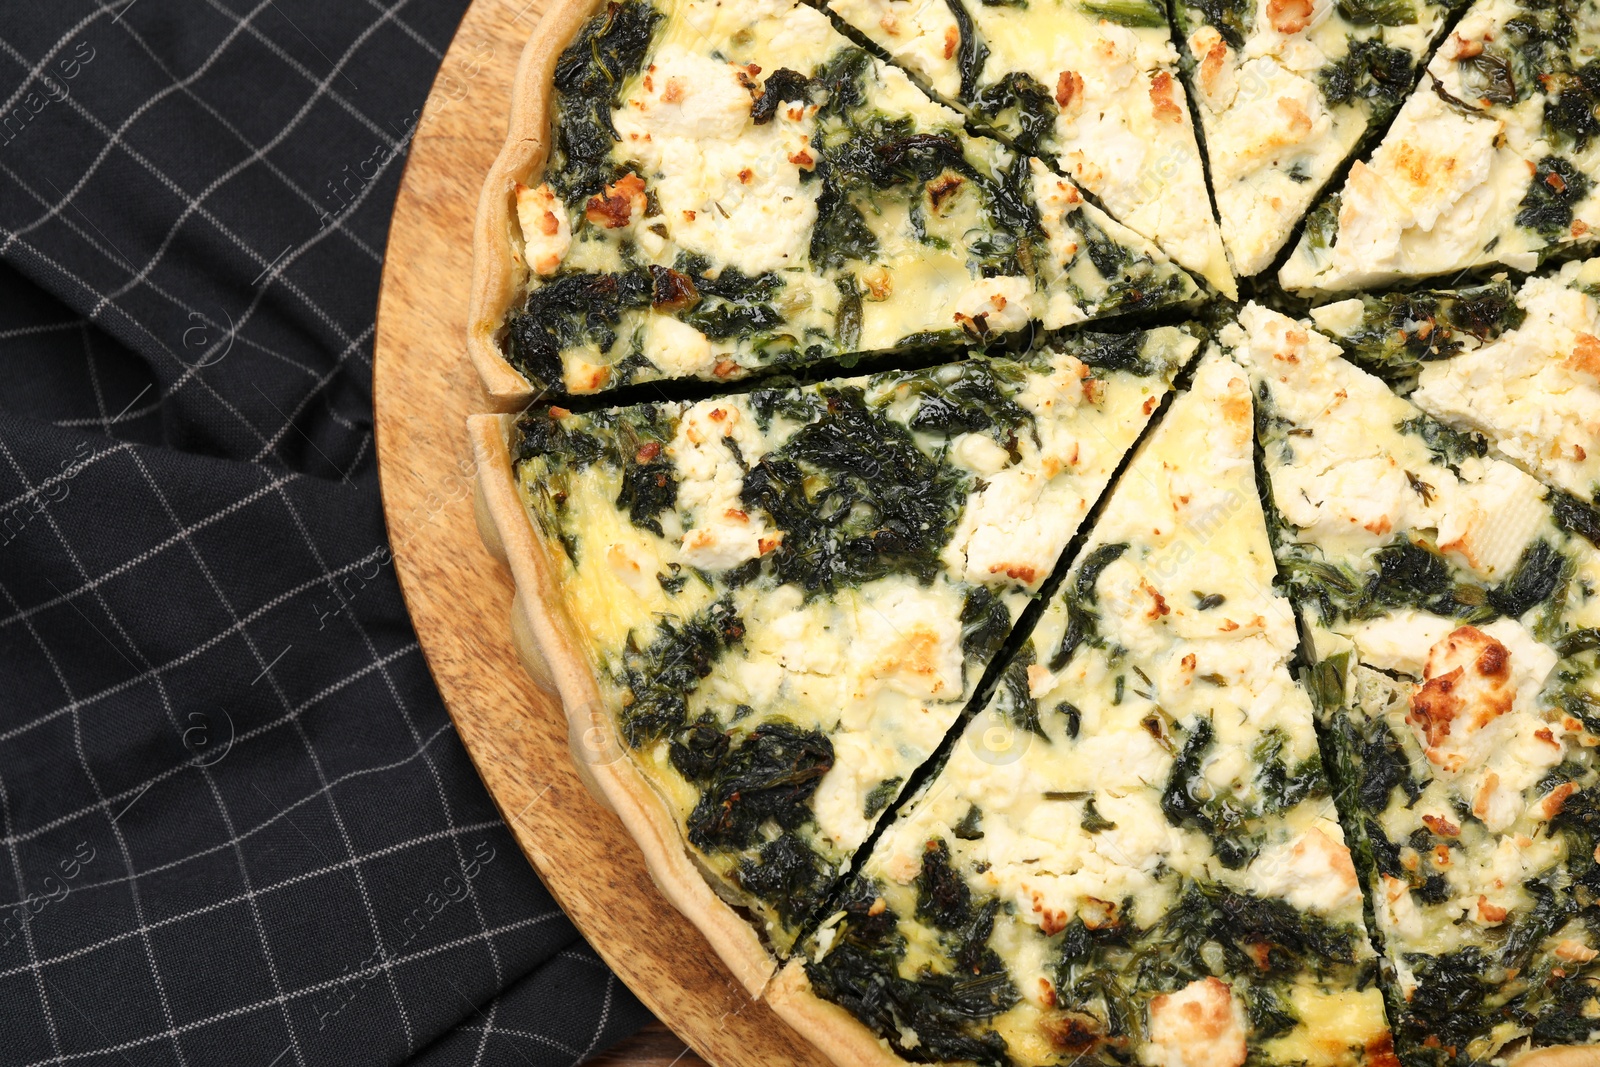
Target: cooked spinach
[[985, 622], [1094, 565], [971, 52], [970, 828], [1556, 187], [1570, 105], [1031, 107], [1322, 223], [856, 497], [968, 397], [1280, 788], [1539, 572], [698, 749], [571, 309], [1296, 942], [1189, 800], [1082, 623], [1092, 821], [848, 318], [1381, 766], [1552, 907], [648, 489], [841, 233], [1232, 19], [944, 1009], [1576, 516], [1132, 279], [1369, 71], [789, 875], [1137, 13], [841, 82], [732, 302], [589, 76], [659, 677], [1378, 12], [768, 776], [1567, 1017], [1449, 446], [943, 898], [1401, 574], [1492, 77], [782, 85], [1012, 699], [1270, 1014], [1401, 331], [880, 796], [1114, 351], [539, 433], [1443, 1010]]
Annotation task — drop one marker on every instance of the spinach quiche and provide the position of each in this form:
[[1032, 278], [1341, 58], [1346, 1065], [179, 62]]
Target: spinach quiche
[[786, 596], [1492, 159], [1521, 367], [1131, 854], [1091, 85], [993, 678], [1454, 619], [1286, 93], [737, 187]]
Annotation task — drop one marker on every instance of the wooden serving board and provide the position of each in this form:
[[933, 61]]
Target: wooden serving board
[[460, 597]]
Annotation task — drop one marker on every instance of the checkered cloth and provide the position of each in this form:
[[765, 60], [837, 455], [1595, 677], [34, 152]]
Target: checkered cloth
[[237, 826]]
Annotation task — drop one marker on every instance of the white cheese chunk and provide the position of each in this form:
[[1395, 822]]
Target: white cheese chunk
[[1313, 873], [1201, 1025], [546, 230]]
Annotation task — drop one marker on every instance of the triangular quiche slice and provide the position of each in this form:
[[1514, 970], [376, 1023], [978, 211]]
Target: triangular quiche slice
[[780, 600], [1458, 670], [1492, 159], [1285, 91], [1131, 854], [734, 188], [1520, 366], [1091, 85]]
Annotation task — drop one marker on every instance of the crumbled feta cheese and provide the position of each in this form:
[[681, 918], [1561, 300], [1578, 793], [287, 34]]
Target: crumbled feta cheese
[[546, 230], [1201, 1025]]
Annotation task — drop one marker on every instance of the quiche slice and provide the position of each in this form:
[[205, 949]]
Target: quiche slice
[[1090, 85], [771, 606], [1285, 92], [1131, 854], [1492, 159], [1456, 639], [1521, 367], [737, 187]]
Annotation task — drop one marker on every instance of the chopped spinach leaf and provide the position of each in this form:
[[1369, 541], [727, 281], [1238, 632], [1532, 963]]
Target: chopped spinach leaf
[[971, 52], [856, 497], [1556, 187], [1093, 822], [790, 876], [770, 775], [589, 76], [880, 796], [659, 677], [1370, 71]]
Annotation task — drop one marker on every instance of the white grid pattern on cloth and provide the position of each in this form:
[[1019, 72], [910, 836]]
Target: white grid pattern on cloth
[[65, 245]]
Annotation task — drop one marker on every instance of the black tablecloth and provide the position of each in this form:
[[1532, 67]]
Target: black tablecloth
[[237, 825]]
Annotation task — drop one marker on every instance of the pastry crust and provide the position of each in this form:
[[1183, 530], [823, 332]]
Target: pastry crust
[[547, 643], [498, 279], [841, 1036], [1559, 1056]]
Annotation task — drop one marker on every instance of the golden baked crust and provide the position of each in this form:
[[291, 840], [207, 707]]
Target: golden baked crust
[[548, 646]]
